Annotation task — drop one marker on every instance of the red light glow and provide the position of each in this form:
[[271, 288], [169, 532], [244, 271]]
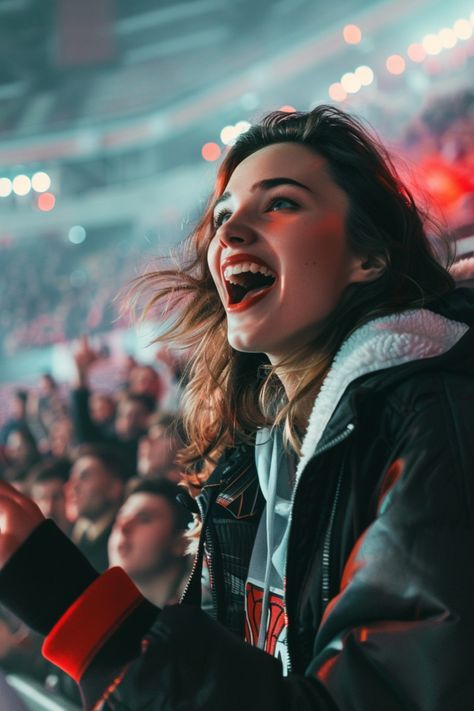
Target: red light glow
[[210, 151], [395, 64], [352, 34], [46, 202], [416, 52]]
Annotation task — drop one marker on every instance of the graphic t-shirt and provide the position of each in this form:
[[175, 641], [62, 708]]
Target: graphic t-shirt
[[264, 598]]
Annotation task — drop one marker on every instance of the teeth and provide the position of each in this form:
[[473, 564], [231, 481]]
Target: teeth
[[246, 267]]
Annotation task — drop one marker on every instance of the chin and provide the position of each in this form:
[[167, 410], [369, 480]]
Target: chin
[[246, 343]]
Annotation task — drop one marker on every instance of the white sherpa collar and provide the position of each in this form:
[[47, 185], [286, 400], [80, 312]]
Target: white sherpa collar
[[382, 343]]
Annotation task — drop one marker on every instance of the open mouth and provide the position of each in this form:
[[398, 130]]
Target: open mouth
[[243, 281]]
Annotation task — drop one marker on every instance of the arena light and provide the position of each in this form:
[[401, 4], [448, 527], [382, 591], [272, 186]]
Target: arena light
[[41, 182], [21, 185], [416, 52], [6, 187], [77, 234], [337, 92], [431, 44], [46, 202], [242, 127], [228, 135], [365, 75], [395, 64], [447, 37], [462, 29], [352, 34], [350, 82], [210, 151]]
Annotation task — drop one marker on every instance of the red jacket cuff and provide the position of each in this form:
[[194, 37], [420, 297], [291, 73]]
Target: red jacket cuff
[[91, 620]]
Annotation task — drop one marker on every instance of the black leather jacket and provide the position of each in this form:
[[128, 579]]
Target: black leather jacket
[[380, 568]]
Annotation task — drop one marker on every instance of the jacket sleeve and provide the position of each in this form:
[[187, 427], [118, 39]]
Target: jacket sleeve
[[85, 430], [399, 633], [127, 655]]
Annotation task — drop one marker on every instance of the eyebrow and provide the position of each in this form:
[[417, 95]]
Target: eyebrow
[[265, 184]]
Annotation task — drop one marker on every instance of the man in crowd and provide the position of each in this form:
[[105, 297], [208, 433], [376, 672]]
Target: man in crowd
[[148, 540], [96, 487], [158, 448], [18, 416], [46, 486], [131, 419]]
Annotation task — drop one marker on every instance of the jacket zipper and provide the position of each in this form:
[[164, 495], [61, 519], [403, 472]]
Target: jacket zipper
[[200, 555], [327, 543], [196, 558], [329, 445]]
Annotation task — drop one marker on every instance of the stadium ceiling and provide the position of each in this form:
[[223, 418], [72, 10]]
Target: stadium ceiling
[[67, 65]]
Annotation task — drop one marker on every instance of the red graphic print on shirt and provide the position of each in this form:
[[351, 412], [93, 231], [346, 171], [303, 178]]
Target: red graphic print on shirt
[[275, 639]]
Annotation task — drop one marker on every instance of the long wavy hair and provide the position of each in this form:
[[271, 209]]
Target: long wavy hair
[[229, 394]]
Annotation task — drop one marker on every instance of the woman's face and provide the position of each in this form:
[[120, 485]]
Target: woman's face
[[280, 257]]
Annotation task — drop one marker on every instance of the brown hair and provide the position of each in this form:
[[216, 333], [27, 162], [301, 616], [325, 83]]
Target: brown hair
[[230, 394]]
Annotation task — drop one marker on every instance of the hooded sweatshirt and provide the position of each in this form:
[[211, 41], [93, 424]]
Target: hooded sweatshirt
[[382, 343]]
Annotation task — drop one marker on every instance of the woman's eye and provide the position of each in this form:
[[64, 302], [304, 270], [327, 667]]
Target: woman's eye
[[220, 218], [281, 202]]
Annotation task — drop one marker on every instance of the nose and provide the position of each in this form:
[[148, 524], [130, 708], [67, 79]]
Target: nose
[[124, 525], [236, 231]]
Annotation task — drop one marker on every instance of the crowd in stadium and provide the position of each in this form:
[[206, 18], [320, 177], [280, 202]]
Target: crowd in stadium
[[103, 466]]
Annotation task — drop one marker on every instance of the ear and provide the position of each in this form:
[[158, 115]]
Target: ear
[[367, 268]]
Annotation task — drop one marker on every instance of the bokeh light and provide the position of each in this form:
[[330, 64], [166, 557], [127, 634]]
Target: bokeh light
[[395, 64], [21, 185], [41, 182], [288, 109], [352, 34], [462, 29], [447, 37], [350, 82], [210, 151], [242, 127], [46, 202], [77, 234], [6, 187], [416, 52], [228, 135], [365, 75], [337, 92], [431, 44]]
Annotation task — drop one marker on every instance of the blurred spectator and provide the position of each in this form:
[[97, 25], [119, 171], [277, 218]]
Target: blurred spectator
[[158, 448], [144, 380], [148, 540], [96, 487], [102, 411], [60, 437], [46, 484], [132, 414], [21, 453], [50, 404], [18, 417]]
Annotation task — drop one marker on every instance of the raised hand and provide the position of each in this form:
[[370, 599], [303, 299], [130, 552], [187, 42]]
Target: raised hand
[[84, 357], [19, 516]]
